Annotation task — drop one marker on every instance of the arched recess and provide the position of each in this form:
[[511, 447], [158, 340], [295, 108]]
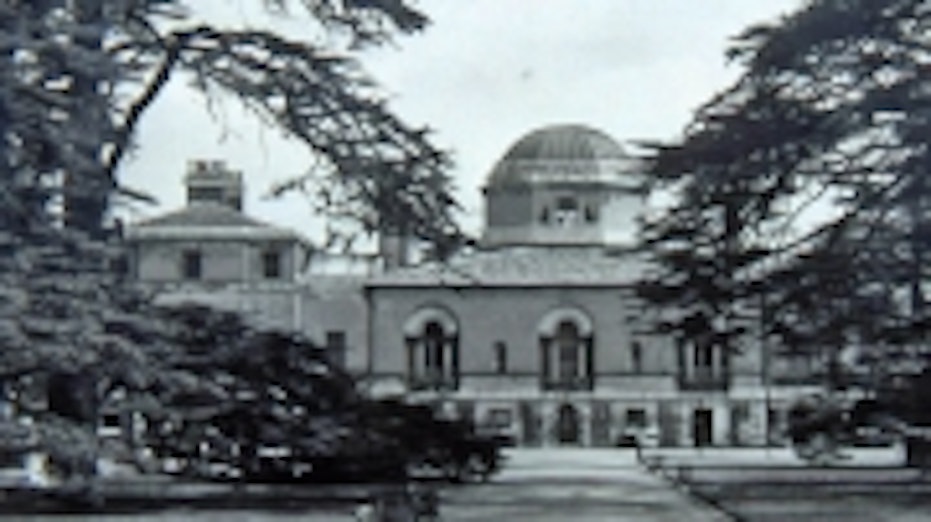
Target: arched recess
[[567, 355], [431, 336], [550, 321], [568, 429], [417, 321]]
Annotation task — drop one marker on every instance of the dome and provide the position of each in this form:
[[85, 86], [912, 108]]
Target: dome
[[574, 151]]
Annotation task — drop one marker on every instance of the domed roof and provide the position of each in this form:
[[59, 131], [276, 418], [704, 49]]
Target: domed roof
[[575, 150]]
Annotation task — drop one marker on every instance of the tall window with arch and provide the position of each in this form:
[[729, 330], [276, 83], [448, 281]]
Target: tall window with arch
[[567, 357], [433, 355]]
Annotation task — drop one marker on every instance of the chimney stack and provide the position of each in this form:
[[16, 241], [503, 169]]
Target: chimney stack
[[211, 181]]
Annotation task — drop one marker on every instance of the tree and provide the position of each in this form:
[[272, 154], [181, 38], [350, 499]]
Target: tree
[[76, 77], [272, 406], [801, 188], [79, 76]]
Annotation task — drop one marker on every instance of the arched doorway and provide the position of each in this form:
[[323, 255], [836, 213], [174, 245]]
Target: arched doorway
[[567, 425]]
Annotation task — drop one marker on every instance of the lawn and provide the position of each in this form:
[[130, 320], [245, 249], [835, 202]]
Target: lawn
[[829, 500]]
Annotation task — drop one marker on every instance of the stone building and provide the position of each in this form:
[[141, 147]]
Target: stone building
[[538, 334], [535, 333], [210, 252]]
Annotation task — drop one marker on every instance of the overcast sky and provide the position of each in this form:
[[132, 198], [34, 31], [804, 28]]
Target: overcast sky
[[483, 74]]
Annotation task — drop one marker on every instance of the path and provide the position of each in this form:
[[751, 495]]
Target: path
[[585, 485]]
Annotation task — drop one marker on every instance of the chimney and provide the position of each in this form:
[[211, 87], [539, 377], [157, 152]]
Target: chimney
[[394, 249], [211, 181]]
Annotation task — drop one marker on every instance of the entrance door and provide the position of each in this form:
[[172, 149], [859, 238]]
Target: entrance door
[[567, 425], [702, 427]]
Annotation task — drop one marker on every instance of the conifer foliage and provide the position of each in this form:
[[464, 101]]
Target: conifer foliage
[[801, 193], [76, 78]]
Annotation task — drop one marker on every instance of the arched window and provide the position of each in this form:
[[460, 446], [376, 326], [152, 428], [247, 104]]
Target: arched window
[[432, 339], [566, 350]]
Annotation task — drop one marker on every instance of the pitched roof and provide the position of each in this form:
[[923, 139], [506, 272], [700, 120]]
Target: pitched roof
[[522, 266], [204, 214], [204, 221]]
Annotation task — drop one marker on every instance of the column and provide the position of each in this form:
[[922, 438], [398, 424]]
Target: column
[[589, 368], [584, 411], [451, 361], [547, 424]]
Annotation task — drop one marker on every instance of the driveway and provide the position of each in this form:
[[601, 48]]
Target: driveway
[[584, 485]]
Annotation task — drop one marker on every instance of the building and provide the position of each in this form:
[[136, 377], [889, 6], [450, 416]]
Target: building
[[538, 333], [210, 252], [535, 333]]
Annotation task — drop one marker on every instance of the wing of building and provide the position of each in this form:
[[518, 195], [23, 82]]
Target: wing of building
[[535, 333]]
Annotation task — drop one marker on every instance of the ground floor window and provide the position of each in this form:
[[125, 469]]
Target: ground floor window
[[531, 423], [702, 427], [567, 425], [636, 418], [499, 418]]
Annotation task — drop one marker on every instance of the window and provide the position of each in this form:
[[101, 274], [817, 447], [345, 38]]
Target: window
[[775, 431], [191, 264], [12, 459], [500, 418], [433, 358], [636, 357], [111, 425], [702, 427], [567, 343], [212, 194], [501, 357], [636, 418], [704, 356], [566, 358], [591, 214], [545, 215], [567, 203], [336, 347], [434, 353], [567, 211], [703, 365], [271, 264]]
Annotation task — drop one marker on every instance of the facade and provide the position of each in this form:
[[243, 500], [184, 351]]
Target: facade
[[538, 334], [210, 252], [535, 333]]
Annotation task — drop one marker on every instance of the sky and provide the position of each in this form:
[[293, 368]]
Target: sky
[[483, 74]]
